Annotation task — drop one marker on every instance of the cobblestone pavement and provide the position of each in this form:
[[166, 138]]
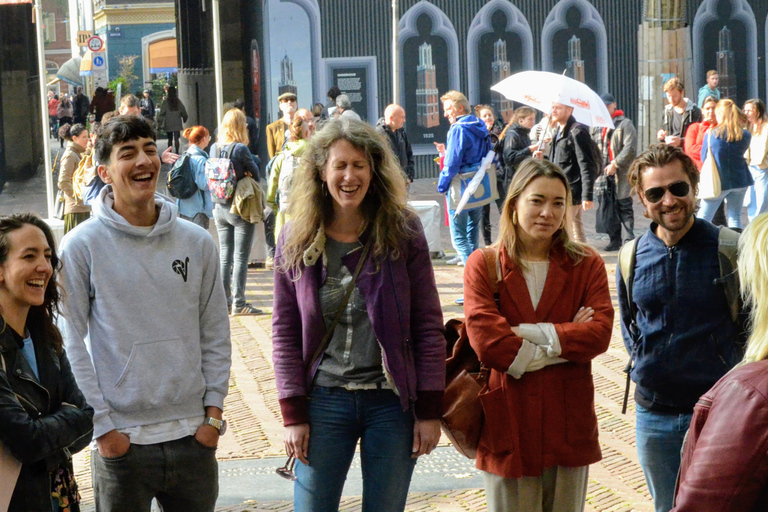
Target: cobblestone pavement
[[443, 481]]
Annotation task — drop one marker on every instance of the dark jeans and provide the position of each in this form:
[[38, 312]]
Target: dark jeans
[[625, 230], [269, 231], [235, 239], [182, 475], [338, 418], [500, 186]]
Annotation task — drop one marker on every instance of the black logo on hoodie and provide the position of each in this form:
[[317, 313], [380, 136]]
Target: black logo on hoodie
[[180, 267]]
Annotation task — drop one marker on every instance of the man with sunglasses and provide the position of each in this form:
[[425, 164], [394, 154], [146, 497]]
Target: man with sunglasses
[[676, 321]]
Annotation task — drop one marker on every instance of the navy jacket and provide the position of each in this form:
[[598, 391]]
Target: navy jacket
[[468, 143], [729, 157], [571, 151], [685, 337]]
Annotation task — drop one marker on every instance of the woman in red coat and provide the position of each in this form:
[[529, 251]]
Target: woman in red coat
[[553, 317]]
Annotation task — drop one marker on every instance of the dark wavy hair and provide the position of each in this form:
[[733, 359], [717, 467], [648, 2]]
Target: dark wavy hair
[[40, 319], [121, 129], [659, 155]]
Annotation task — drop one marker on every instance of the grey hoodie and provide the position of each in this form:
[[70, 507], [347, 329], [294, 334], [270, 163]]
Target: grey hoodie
[[144, 318]]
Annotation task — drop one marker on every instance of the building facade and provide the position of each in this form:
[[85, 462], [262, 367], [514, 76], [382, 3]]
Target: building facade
[[427, 108], [501, 70]]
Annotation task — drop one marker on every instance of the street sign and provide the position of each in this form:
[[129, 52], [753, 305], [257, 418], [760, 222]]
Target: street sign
[[83, 36], [98, 61], [95, 44]]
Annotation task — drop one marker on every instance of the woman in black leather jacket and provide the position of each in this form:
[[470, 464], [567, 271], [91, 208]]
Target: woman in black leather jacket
[[43, 415]]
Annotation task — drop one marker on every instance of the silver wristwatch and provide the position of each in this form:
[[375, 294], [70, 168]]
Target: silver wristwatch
[[220, 425]]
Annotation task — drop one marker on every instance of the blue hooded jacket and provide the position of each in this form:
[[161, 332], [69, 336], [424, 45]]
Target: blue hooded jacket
[[468, 143]]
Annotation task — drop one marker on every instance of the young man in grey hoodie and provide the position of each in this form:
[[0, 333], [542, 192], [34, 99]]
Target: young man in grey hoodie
[[145, 325]]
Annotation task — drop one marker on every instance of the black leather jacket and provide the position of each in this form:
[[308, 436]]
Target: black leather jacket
[[35, 426]]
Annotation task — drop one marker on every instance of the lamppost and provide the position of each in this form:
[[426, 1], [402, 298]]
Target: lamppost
[[395, 54]]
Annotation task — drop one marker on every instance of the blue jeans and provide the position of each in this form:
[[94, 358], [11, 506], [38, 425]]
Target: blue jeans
[[734, 202], [659, 439], [235, 239], [337, 419], [183, 475], [465, 231], [758, 193]]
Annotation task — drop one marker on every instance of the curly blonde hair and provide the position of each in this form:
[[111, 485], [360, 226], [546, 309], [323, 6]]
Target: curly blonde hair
[[387, 215], [753, 278]]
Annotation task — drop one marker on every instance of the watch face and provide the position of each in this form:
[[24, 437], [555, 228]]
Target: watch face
[[223, 428], [220, 425]]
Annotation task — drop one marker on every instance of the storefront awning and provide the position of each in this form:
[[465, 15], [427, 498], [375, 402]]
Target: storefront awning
[[162, 56], [70, 71], [86, 65]]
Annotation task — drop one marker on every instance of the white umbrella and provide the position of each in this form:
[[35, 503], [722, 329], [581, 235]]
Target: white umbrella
[[540, 89]]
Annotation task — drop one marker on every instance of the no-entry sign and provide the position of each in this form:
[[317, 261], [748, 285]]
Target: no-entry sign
[[95, 44]]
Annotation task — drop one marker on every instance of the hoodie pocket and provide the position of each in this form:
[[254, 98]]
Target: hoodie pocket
[[158, 373]]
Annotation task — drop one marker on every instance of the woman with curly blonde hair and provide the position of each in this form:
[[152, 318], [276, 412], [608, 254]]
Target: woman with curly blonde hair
[[357, 337]]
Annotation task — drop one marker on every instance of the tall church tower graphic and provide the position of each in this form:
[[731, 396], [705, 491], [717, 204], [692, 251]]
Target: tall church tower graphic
[[575, 66], [286, 84], [427, 108], [725, 66], [500, 71]]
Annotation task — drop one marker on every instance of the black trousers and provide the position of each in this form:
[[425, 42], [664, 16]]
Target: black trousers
[[501, 186], [625, 230]]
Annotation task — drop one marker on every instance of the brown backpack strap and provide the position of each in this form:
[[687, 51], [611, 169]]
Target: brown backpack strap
[[493, 272]]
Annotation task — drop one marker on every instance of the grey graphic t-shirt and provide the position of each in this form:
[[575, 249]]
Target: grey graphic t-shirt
[[353, 354]]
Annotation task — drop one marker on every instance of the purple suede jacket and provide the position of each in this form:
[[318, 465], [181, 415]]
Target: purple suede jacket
[[404, 308]]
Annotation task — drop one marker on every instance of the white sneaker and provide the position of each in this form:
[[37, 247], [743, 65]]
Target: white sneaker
[[453, 261]]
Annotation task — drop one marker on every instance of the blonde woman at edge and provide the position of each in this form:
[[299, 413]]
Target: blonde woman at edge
[[725, 458]]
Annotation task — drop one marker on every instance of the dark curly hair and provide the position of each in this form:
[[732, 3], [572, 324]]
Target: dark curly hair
[[121, 129], [40, 319]]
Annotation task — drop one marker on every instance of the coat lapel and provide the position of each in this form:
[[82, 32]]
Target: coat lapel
[[557, 278], [516, 289]]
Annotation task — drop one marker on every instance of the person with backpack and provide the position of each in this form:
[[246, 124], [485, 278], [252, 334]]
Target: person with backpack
[[677, 310], [194, 202], [235, 234], [75, 211], [552, 315], [283, 170], [574, 151]]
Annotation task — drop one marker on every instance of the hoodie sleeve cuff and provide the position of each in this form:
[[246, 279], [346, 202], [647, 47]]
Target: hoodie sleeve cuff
[[213, 399], [295, 410], [429, 405]]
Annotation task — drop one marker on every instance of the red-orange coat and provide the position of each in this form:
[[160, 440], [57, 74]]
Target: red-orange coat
[[547, 417]]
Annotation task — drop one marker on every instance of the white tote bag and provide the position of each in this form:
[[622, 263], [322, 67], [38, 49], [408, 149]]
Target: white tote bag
[[709, 179], [9, 469]]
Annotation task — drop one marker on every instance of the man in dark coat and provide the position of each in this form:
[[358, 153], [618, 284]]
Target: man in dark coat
[[571, 150], [81, 106], [618, 147], [391, 125]]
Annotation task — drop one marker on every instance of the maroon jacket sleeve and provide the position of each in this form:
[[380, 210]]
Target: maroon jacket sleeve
[[287, 353], [725, 462]]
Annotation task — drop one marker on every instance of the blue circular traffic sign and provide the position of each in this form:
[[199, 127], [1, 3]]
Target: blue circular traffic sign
[[98, 61]]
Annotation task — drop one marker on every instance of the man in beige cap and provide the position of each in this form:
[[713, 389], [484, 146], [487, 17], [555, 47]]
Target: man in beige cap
[[276, 131]]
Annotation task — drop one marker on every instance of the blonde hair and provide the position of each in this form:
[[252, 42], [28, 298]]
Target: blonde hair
[[731, 126], [753, 275], [385, 209], [233, 128], [458, 99], [528, 171]]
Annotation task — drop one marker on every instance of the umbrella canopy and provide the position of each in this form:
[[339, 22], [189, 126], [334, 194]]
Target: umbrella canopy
[[540, 89], [70, 71]]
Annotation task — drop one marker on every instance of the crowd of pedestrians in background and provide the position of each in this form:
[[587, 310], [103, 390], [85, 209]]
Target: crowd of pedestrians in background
[[359, 352]]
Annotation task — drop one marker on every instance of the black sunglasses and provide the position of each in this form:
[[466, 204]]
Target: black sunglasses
[[677, 189], [287, 470]]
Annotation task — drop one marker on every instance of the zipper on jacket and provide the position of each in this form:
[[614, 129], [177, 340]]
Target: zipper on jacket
[[717, 350], [32, 381], [406, 346]]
